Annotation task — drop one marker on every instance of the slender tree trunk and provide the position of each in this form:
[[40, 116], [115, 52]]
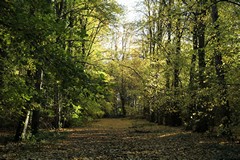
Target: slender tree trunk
[[169, 39], [168, 62], [83, 23], [36, 112], [159, 26], [201, 123], [22, 126], [202, 120], [60, 8], [70, 42], [194, 55], [123, 96], [124, 112], [2, 67], [176, 120], [223, 111], [201, 54], [35, 121], [176, 79], [150, 31], [24, 112], [25, 125], [1, 78], [192, 75], [57, 109], [159, 112], [150, 40]]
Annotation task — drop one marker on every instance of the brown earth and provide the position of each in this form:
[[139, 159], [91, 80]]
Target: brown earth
[[123, 139]]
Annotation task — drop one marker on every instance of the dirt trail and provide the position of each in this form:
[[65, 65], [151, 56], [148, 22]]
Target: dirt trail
[[124, 139]]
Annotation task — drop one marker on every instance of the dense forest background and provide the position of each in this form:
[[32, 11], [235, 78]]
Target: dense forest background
[[65, 62]]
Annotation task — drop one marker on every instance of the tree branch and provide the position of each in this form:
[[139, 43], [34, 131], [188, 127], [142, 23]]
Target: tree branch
[[230, 1], [134, 72]]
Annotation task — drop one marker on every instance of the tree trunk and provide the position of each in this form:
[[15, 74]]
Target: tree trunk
[[176, 120], [177, 55], [36, 112], [150, 30], [25, 125], [2, 55], [192, 77], [24, 112], [123, 103], [2, 67], [201, 123], [201, 54], [169, 35], [194, 56], [35, 121], [83, 23], [222, 111], [57, 109], [123, 95], [22, 126], [160, 117]]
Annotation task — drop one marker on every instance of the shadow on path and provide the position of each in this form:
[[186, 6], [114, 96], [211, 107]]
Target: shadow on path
[[116, 139]]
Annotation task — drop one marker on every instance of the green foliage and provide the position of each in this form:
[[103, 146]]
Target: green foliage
[[198, 82], [53, 58], [45, 49]]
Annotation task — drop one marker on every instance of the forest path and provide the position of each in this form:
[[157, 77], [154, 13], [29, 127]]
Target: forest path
[[125, 139]]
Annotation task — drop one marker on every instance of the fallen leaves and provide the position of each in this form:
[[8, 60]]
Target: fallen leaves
[[125, 139]]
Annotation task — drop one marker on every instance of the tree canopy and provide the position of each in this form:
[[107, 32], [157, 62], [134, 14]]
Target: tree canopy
[[65, 62]]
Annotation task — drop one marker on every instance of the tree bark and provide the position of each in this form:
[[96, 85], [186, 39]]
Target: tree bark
[[22, 126], [201, 121], [194, 55], [57, 109], [123, 96], [192, 76], [176, 120], [2, 68], [25, 125], [24, 112], [36, 112], [223, 111], [35, 121], [169, 35], [177, 55], [83, 23], [201, 54]]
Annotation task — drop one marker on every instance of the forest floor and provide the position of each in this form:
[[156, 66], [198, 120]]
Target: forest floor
[[122, 139]]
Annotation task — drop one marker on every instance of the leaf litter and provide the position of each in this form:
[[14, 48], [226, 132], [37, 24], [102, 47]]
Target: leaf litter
[[124, 139]]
